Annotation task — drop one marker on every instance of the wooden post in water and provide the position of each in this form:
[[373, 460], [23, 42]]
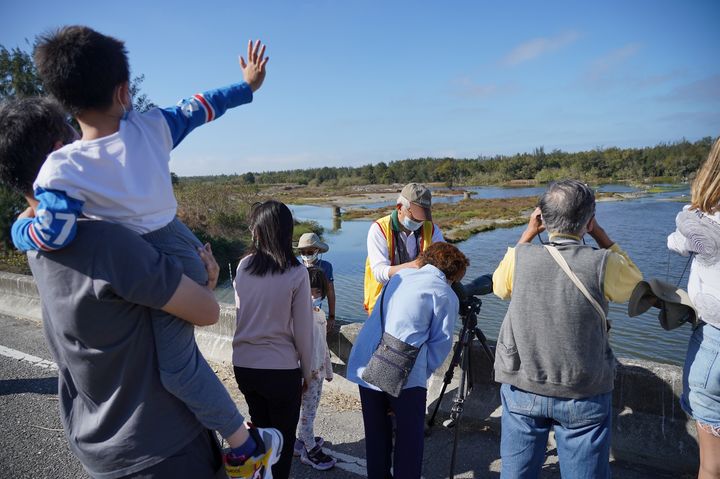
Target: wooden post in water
[[337, 218]]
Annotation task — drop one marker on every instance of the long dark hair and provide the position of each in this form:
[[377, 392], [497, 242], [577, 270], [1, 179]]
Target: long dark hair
[[271, 225], [318, 280]]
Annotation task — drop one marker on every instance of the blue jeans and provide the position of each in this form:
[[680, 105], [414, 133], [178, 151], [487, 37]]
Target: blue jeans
[[582, 431], [701, 377]]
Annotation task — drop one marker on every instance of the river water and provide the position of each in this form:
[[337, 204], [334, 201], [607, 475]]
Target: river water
[[639, 226]]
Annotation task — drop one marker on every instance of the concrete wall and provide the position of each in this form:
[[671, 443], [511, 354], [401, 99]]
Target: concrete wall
[[649, 427]]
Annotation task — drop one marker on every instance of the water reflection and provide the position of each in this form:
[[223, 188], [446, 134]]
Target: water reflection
[[640, 226]]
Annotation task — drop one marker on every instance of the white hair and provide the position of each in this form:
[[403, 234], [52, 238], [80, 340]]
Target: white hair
[[403, 201]]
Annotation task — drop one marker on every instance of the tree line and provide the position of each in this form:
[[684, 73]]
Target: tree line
[[676, 161]]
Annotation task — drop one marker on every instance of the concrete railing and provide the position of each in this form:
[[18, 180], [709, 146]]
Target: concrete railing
[[649, 427]]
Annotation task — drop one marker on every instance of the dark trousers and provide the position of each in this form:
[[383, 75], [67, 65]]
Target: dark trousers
[[200, 459], [409, 412], [273, 397]]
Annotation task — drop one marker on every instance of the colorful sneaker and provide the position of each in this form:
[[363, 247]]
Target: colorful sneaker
[[299, 445], [258, 466], [316, 458]]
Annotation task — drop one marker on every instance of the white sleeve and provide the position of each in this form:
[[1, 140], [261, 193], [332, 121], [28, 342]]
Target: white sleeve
[[678, 243], [378, 255], [437, 236]]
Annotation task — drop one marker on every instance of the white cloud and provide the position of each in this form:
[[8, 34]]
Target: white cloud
[[537, 47], [603, 66], [702, 91]]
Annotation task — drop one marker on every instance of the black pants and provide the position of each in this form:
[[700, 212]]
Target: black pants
[[273, 397], [200, 459], [407, 455]]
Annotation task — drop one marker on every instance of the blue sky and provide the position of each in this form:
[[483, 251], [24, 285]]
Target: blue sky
[[357, 82]]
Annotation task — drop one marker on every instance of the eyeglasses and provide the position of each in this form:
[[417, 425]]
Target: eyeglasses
[[307, 252], [409, 213]]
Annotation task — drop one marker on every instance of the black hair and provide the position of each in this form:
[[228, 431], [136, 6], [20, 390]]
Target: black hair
[[81, 67], [271, 224], [318, 280], [29, 129]]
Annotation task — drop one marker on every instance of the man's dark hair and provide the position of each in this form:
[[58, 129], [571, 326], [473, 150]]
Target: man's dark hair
[[567, 206], [29, 129], [271, 224], [318, 280], [81, 67]]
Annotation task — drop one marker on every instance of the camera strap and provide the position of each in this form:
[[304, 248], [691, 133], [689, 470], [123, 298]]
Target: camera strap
[[566, 268]]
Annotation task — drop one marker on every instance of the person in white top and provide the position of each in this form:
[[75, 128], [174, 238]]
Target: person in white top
[[698, 233], [395, 241]]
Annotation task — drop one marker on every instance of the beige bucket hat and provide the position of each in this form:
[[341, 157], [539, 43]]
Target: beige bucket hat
[[674, 303], [312, 240]]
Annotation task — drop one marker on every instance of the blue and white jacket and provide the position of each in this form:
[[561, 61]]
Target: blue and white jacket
[[122, 178]]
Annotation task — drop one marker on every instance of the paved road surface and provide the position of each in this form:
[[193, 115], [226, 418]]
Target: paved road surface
[[32, 444]]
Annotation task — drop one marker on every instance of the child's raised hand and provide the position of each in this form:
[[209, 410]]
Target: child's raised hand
[[254, 69]]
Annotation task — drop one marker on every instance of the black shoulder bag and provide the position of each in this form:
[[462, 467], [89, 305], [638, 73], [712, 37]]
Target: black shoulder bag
[[392, 361]]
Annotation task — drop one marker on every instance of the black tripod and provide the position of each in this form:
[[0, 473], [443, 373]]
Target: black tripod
[[469, 309]]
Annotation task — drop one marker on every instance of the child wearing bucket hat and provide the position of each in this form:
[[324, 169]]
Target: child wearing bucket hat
[[698, 234], [310, 248]]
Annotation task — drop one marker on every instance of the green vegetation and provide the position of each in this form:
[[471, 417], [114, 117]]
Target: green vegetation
[[671, 162], [465, 218]]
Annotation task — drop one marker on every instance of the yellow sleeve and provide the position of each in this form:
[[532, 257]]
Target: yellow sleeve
[[621, 275], [503, 275]]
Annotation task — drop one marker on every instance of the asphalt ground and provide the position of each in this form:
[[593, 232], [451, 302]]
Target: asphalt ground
[[32, 444]]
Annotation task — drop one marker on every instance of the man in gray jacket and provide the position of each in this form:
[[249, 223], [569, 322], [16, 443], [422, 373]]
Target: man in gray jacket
[[553, 356]]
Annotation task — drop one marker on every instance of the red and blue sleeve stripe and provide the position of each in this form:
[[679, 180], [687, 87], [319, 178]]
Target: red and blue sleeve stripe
[[202, 108]]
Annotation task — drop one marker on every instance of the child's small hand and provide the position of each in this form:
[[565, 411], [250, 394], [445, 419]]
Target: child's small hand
[[254, 69], [213, 270]]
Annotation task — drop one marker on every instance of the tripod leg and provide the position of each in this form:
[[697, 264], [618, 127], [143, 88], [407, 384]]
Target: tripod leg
[[459, 405], [456, 357], [483, 342]]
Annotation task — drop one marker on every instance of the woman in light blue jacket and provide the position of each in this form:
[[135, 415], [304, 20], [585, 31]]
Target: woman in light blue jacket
[[420, 308]]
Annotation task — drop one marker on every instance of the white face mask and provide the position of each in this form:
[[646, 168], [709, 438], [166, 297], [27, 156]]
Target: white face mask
[[309, 259]]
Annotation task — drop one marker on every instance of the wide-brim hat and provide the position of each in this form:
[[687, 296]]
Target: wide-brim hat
[[420, 199], [674, 303], [312, 240]]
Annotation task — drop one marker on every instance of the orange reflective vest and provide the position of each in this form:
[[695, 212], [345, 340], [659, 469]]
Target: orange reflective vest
[[372, 287]]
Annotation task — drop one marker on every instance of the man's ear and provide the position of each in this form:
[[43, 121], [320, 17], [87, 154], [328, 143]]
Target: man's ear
[[122, 94], [590, 224], [398, 206]]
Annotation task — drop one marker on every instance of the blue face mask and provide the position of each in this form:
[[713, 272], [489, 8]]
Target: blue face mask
[[410, 224], [317, 303]]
